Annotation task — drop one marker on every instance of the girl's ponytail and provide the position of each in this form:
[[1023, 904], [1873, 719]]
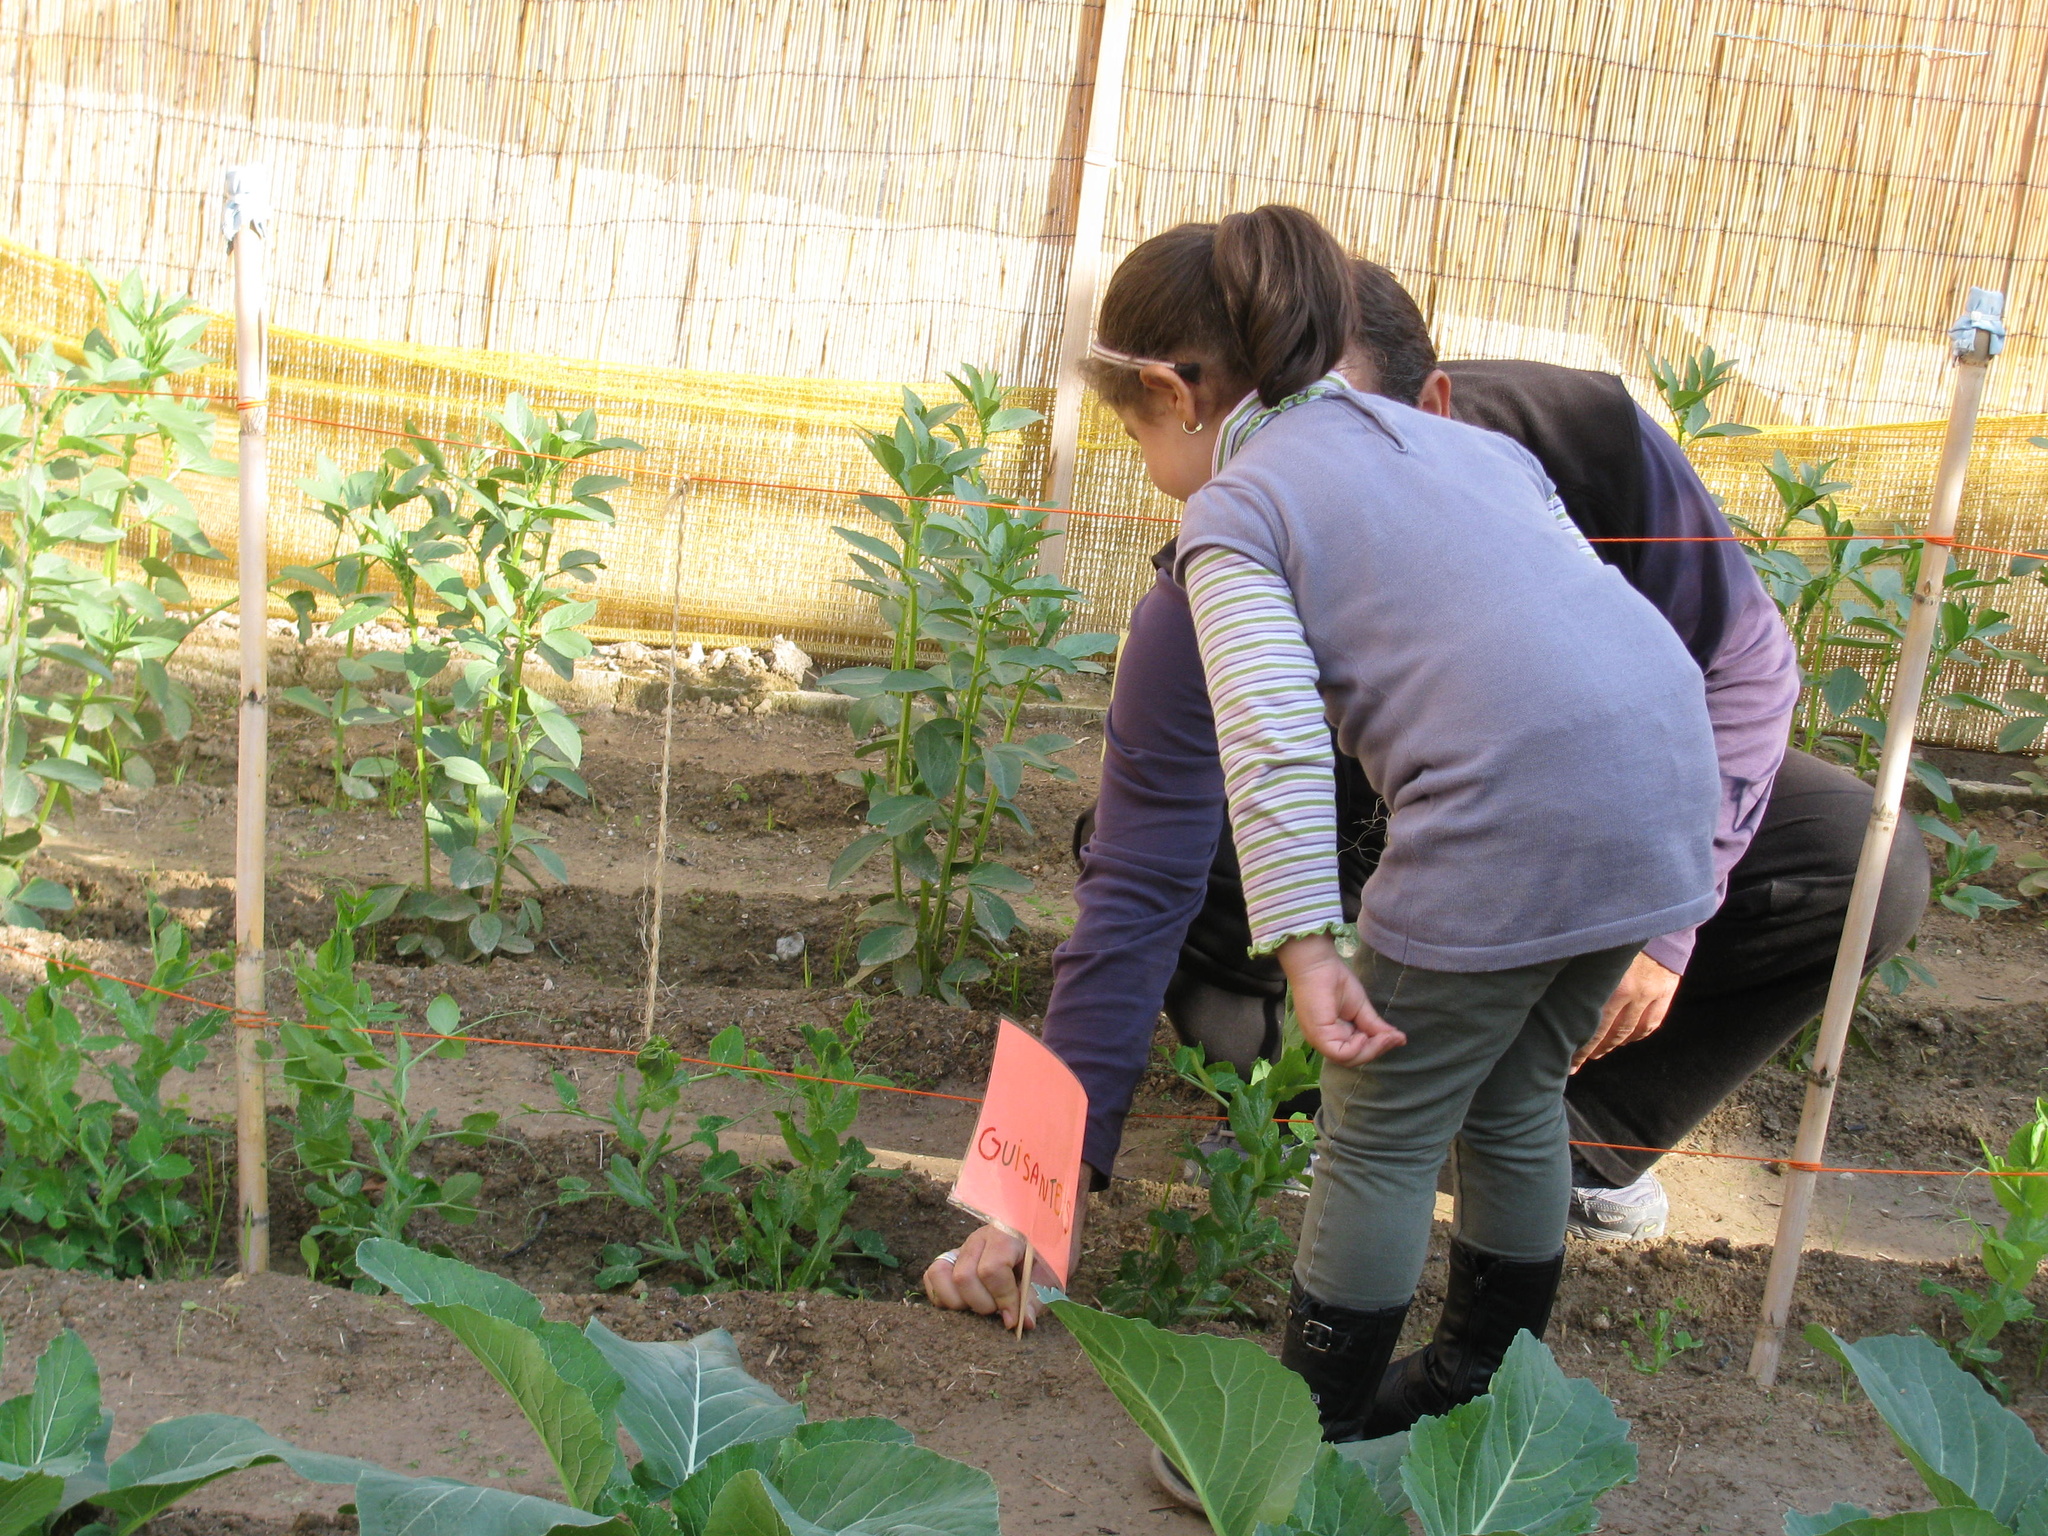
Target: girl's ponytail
[[1287, 297], [1262, 300]]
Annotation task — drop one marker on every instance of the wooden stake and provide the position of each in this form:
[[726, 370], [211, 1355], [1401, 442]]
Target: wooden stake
[[1024, 1286], [1098, 168], [1897, 757], [246, 220], [679, 503]]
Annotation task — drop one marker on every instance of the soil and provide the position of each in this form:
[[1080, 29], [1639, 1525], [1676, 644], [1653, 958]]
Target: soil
[[756, 816]]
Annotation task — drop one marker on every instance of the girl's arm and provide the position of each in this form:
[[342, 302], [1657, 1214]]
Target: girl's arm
[[1278, 773]]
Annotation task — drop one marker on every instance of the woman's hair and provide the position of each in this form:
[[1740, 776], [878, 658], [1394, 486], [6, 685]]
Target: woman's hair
[[1260, 300], [1390, 331]]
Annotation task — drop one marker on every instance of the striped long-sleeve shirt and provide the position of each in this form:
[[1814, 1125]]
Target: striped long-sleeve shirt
[[1278, 769]]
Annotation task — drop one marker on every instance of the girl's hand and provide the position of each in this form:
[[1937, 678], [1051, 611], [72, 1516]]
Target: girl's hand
[[1331, 1005]]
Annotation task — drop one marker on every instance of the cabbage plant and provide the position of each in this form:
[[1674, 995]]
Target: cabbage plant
[[54, 1472], [720, 1454], [1532, 1456], [1987, 1473]]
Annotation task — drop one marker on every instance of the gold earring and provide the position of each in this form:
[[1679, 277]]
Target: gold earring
[[1193, 431]]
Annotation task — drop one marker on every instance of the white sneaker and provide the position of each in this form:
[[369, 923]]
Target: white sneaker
[[1635, 1213]]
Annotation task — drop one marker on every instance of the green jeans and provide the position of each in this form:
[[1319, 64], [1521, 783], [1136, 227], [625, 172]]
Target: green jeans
[[1481, 1079]]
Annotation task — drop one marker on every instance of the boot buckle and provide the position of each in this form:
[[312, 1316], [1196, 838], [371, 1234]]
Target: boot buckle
[[1318, 1336]]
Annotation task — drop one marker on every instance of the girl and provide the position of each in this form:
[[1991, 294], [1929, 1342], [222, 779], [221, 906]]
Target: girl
[[1537, 731]]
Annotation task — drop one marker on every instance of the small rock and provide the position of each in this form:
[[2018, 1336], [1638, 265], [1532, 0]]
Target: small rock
[[789, 947], [631, 650], [695, 655], [1601, 1322], [1932, 1025], [787, 659]]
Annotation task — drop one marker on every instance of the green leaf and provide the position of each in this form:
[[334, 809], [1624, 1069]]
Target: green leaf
[[685, 1402], [991, 876], [876, 1486], [1966, 1447], [26, 1501], [556, 1376], [46, 894], [1338, 1498], [465, 770], [748, 1506], [562, 735], [855, 854], [936, 746], [1922, 1522], [62, 770], [1531, 1456], [882, 945], [180, 1455], [54, 1418], [390, 1505], [1797, 1524], [1238, 1423]]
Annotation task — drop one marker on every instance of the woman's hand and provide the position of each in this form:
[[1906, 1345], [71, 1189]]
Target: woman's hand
[[1634, 1011], [1331, 1006], [981, 1274]]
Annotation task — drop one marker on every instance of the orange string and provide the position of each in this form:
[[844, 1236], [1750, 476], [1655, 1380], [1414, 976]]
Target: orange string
[[250, 1020]]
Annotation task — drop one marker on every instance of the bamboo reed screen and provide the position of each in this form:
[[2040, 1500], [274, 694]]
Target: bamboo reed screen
[[744, 216]]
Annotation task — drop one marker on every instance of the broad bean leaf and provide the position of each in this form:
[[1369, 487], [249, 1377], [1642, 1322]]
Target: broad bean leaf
[[1967, 1448], [1530, 1456], [1338, 1498], [558, 1378], [390, 1505], [683, 1403], [1238, 1423]]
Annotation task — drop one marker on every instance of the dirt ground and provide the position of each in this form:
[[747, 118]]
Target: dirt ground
[[756, 817]]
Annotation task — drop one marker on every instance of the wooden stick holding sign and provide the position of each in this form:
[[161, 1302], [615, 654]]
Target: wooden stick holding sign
[[1022, 1171]]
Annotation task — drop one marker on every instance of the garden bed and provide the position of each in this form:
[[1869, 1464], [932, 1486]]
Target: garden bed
[[1945, 1066]]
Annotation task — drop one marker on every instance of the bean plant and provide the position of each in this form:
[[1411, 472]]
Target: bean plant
[[789, 1227], [93, 513], [471, 558], [2011, 1256], [363, 1172], [99, 1183], [1197, 1265], [644, 1123], [1845, 593], [976, 635]]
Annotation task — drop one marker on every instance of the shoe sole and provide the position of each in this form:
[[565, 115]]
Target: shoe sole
[[1170, 1482], [1645, 1234]]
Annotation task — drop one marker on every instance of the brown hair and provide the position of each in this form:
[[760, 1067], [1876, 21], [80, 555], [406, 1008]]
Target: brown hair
[[1390, 331], [1260, 300]]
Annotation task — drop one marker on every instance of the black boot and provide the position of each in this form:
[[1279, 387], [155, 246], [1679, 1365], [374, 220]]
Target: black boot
[[1341, 1354], [1487, 1302]]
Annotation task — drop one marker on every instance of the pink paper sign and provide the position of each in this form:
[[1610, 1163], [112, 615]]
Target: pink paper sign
[[1022, 1171]]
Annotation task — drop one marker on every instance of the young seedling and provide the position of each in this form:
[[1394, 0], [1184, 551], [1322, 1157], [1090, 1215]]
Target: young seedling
[[365, 1174], [1664, 1340], [101, 1183], [643, 1121], [2011, 1257], [1197, 1264]]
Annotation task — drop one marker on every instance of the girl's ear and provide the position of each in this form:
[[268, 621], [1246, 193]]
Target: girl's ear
[[1167, 393]]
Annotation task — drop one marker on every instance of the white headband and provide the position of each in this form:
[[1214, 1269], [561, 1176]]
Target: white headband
[[1108, 354]]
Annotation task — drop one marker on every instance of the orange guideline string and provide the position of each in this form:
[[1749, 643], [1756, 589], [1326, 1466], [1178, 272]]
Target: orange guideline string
[[247, 1020]]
